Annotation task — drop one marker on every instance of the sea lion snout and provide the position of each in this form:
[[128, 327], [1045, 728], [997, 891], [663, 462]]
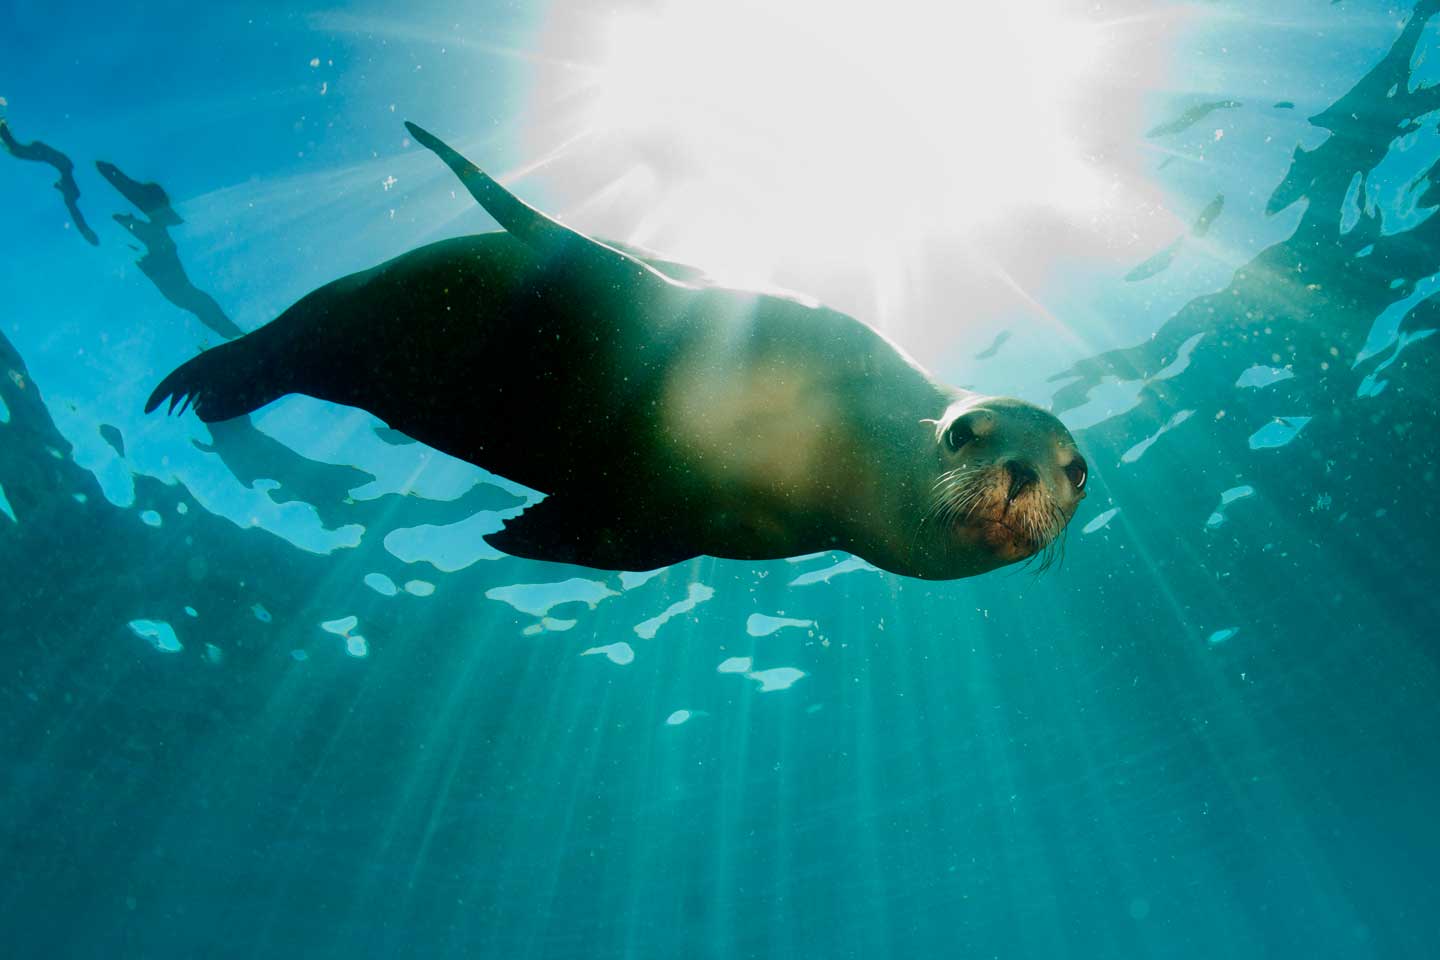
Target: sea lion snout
[[1022, 476]]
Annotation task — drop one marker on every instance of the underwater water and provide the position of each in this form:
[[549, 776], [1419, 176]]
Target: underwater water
[[265, 692]]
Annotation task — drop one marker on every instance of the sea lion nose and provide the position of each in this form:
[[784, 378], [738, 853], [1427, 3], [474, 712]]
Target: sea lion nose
[[1022, 475]]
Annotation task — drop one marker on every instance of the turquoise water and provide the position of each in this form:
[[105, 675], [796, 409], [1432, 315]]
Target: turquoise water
[[265, 692]]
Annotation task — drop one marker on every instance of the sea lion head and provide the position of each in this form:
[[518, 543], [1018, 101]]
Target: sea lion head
[[1010, 478]]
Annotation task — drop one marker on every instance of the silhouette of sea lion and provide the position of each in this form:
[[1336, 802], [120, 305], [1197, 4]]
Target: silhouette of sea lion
[[663, 416]]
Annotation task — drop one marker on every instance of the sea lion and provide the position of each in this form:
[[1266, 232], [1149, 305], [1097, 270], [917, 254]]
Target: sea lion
[[663, 416]]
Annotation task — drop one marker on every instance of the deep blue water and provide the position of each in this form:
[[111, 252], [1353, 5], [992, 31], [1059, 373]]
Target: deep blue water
[[264, 692]]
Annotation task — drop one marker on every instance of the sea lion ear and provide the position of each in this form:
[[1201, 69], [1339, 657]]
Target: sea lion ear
[[542, 233]]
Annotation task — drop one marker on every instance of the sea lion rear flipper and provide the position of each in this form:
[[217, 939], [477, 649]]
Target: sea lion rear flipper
[[223, 382], [574, 528], [541, 233]]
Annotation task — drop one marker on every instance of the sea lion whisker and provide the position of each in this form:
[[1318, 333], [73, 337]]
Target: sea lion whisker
[[958, 475]]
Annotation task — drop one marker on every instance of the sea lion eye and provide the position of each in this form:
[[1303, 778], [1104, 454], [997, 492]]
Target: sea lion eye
[[959, 434], [1078, 473]]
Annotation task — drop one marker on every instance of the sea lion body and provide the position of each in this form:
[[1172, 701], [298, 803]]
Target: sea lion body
[[664, 417]]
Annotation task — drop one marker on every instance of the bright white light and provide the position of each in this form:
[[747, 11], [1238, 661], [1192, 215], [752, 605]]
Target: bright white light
[[830, 125]]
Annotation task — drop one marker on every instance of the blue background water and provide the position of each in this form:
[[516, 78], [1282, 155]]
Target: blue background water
[[1211, 732]]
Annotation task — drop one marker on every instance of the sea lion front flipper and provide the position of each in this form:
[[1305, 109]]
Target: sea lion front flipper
[[543, 234], [575, 528]]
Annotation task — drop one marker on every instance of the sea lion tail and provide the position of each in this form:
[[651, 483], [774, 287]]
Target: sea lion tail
[[542, 233], [225, 382]]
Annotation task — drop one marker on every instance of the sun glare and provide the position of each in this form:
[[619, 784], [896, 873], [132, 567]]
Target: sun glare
[[821, 125]]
